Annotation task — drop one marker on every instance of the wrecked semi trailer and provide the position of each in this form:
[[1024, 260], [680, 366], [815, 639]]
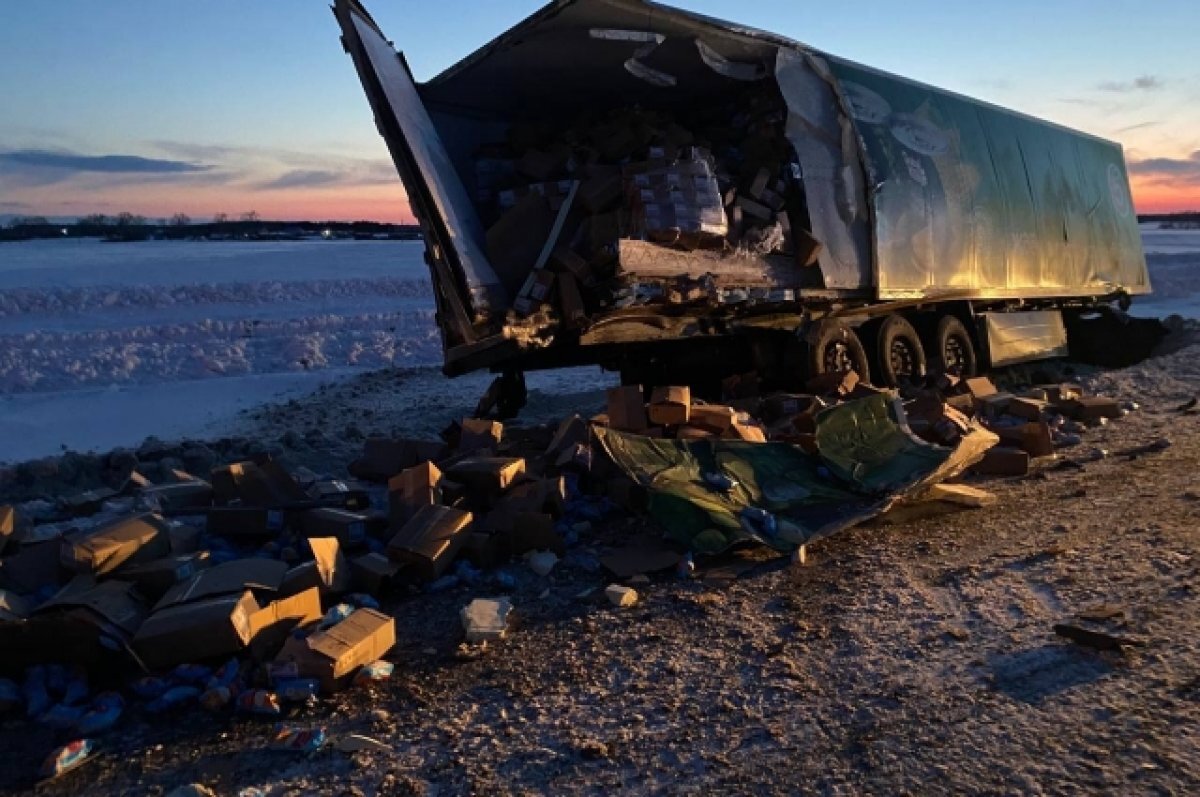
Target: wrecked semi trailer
[[621, 183]]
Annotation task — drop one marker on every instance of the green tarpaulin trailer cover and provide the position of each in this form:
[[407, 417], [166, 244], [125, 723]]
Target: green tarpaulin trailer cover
[[867, 460]]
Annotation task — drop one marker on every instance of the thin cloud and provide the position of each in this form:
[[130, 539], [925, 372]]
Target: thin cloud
[[302, 178], [107, 164], [1139, 126], [1143, 83], [1172, 171]]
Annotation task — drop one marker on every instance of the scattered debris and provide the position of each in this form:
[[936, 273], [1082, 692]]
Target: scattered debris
[[1099, 640], [621, 596], [485, 619]]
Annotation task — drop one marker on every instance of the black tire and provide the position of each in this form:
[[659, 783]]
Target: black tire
[[900, 353], [954, 350], [836, 347]]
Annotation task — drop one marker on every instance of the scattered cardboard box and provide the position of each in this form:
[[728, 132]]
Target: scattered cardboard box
[[345, 495], [431, 539], [715, 418], [1092, 408], [413, 488], [350, 528], [480, 435], [262, 575], [238, 521], [153, 579], [626, 409], [487, 474], [1003, 461], [670, 406], [333, 655], [373, 573], [1034, 439], [136, 539], [180, 496]]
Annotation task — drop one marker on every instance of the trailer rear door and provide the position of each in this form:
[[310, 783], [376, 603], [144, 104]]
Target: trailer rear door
[[467, 288]]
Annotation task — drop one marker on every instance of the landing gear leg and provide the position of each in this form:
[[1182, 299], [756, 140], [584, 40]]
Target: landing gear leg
[[506, 396]]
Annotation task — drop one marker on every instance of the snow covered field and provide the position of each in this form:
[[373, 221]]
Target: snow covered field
[[103, 344]]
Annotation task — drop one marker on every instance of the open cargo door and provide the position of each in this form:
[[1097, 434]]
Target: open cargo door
[[468, 292]]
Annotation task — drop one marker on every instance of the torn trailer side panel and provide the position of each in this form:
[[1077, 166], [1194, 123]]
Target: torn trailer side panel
[[622, 155]]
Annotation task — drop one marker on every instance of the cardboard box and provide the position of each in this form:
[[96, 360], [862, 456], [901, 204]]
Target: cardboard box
[[626, 409], [534, 531], [994, 405], [413, 488], [196, 631], [333, 655], [431, 539], [479, 435], [183, 495], [1003, 461], [350, 528], [271, 625], [693, 433], [489, 475], [1026, 408], [546, 495], [341, 494], [262, 575], [237, 521], [85, 623], [1092, 408], [88, 502], [383, 458], [262, 483], [979, 387], [328, 572], [1032, 438], [153, 579], [33, 567], [486, 550], [715, 418], [373, 572], [749, 432], [515, 241], [137, 539], [670, 406]]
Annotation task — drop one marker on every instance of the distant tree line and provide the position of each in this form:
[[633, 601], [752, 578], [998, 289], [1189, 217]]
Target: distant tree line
[[127, 226]]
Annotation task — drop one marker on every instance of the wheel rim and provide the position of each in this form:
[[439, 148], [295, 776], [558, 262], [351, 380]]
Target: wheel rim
[[838, 358], [902, 358], [954, 353]]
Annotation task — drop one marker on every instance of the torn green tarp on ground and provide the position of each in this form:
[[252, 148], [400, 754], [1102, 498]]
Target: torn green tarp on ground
[[867, 460]]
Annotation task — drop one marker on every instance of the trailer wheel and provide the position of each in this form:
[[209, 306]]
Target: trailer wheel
[[955, 351], [836, 349], [901, 355]]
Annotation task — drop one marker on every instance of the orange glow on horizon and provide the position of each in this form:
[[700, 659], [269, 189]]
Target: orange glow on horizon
[[1153, 196]]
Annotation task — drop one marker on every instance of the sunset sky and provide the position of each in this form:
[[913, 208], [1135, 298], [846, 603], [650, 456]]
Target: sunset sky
[[224, 106]]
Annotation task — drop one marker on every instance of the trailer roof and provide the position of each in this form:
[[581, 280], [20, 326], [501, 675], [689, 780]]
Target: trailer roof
[[598, 13]]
